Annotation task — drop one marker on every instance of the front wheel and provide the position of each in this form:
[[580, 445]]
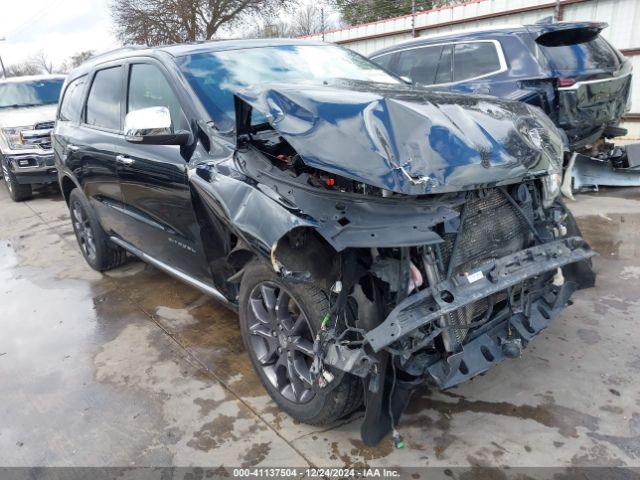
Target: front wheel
[[278, 323], [17, 191]]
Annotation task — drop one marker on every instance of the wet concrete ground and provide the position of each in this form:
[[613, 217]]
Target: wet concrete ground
[[135, 368]]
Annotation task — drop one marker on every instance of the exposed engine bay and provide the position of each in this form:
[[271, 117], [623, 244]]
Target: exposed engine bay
[[271, 144]]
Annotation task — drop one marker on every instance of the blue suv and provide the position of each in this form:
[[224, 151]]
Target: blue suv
[[568, 69]]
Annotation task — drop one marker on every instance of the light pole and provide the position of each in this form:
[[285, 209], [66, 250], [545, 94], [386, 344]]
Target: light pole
[[4, 73]]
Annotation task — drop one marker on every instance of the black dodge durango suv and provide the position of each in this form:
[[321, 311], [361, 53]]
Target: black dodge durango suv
[[372, 235]]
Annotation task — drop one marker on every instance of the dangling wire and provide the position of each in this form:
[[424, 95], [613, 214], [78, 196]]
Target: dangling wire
[[396, 437]]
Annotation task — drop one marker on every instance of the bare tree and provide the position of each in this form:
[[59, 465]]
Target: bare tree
[[42, 62], [21, 69], [308, 19], [157, 22], [79, 58], [268, 28]]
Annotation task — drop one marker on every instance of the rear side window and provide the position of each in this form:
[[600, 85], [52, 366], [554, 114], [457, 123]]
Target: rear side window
[[384, 61], [419, 64], [471, 60], [103, 103], [71, 105], [595, 54], [148, 87], [443, 74]]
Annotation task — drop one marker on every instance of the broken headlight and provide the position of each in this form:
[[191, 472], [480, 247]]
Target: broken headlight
[[550, 188], [539, 132], [14, 137]]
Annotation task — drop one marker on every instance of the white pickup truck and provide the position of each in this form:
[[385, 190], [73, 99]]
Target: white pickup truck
[[27, 115]]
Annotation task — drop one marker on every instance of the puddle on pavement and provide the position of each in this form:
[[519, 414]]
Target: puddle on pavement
[[565, 420], [102, 385], [613, 236], [52, 328]]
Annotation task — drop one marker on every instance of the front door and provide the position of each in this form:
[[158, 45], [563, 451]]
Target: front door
[[154, 182]]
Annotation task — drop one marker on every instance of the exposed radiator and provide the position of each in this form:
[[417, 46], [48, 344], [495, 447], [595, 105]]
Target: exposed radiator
[[492, 228]]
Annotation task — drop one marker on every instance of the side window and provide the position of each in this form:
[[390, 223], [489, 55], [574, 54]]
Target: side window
[[419, 64], [71, 104], [471, 60], [443, 75], [103, 103], [148, 87], [384, 60]]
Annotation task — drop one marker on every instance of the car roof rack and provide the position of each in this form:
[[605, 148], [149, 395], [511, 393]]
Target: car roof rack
[[126, 48]]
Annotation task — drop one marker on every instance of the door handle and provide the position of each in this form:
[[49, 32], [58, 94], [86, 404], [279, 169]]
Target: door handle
[[123, 159]]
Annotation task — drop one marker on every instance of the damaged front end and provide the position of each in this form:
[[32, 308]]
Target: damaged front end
[[430, 222], [448, 311]]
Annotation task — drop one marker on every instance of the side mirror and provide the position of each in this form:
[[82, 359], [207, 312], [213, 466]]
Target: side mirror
[[153, 126]]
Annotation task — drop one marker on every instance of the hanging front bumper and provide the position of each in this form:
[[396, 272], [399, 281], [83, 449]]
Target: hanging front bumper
[[495, 276]]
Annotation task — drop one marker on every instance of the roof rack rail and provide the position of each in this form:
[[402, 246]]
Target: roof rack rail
[[126, 48]]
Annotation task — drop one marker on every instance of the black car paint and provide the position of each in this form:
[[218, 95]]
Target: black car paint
[[203, 210]]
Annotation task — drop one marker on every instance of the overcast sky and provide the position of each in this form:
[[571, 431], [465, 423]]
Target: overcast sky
[[58, 27]]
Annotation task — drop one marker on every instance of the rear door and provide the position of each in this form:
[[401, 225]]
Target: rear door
[[476, 66], [425, 65], [154, 180], [91, 148]]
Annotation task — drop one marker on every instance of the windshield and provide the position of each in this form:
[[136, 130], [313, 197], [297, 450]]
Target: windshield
[[215, 76], [575, 58], [30, 93]]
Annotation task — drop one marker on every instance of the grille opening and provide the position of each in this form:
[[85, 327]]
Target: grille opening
[[486, 353], [491, 228], [447, 296], [463, 368]]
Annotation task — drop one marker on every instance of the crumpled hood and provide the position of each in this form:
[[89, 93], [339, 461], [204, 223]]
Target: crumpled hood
[[27, 116], [410, 140]]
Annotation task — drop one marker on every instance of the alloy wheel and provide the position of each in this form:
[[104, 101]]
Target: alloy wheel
[[83, 230], [282, 341]]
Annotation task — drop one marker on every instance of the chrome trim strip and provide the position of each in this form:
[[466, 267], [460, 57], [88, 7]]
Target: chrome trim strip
[[208, 289], [577, 85]]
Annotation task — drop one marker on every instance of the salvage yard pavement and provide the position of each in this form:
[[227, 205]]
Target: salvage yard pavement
[[136, 368]]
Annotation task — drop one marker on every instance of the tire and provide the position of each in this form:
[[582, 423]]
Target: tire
[[17, 191], [94, 244], [273, 368]]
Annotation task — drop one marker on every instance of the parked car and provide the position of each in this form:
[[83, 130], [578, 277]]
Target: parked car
[[568, 69], [371, 235], [27, 114]]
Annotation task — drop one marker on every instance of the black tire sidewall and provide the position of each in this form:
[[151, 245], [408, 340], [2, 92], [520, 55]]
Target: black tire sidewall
[[100, 239], [259, 272], [17, 192]]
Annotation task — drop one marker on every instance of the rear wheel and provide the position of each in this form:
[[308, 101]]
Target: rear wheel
[[94, 244], [17, 191], [279, 322]]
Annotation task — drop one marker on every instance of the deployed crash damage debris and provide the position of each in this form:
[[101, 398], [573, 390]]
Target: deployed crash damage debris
[[613, 166], [439, 258]]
